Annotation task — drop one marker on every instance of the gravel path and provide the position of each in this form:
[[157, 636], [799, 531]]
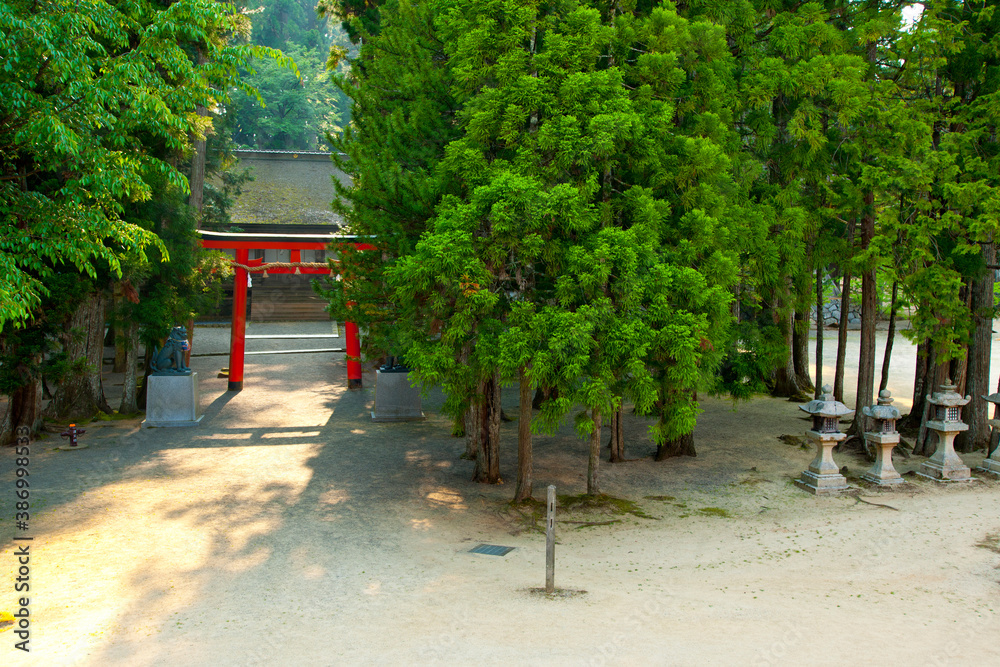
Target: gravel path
[[288, 529]]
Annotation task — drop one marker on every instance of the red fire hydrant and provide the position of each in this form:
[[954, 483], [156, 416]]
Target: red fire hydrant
[[72, 434]]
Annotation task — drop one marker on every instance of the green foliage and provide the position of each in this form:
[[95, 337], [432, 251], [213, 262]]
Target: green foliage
[[359, 17], [949, 201], [297, 105], [279, 22], [189, 281], [295, 110], [402, 118], [86, 90], [750, 360], [553, 247]]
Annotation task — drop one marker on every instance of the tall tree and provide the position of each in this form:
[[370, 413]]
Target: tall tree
[[799, 85], [403, 116], [97, 100], [626, 250], [951, 75]]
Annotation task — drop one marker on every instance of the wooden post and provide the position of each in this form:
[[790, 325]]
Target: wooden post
[[550, 542]]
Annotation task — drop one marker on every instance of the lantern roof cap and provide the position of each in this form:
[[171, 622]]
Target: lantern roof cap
[[884, 409], [947, 397], [826, 406], [993, 398]]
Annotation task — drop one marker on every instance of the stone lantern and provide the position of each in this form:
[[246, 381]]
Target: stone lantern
[[992, 464], [823, 477], [883, 437], [946, 420]]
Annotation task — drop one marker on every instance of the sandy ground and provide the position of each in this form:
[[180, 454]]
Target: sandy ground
[[288, 529]]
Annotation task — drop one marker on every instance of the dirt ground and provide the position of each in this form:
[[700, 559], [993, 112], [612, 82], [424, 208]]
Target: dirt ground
[[288, 529]]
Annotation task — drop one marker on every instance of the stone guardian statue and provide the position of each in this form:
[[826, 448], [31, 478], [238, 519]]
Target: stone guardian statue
[[169, 359]]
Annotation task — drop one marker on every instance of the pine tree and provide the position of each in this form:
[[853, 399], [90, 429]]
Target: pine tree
[[568, 251]]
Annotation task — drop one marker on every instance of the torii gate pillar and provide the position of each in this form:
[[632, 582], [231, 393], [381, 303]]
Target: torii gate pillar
[[353, 350], [238, 330]]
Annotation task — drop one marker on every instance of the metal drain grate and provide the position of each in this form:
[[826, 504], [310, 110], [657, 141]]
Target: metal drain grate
[[491, 550]]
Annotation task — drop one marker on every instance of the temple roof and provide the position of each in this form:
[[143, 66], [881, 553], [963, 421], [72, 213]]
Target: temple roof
[[288, 188]]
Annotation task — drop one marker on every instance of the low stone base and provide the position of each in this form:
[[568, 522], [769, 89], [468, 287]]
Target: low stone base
[[945, 473], [172, 400], [991, 466], [395, 399], [408, 418], [167, 424], [822, 485], [883, 480]]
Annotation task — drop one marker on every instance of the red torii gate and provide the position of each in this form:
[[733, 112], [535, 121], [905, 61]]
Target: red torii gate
[[242, 244]]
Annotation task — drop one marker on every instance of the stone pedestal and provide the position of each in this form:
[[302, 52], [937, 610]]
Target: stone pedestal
[[945, 465], [395, 399], [882, 472], [992, 464], [172, 400], [823, 477]]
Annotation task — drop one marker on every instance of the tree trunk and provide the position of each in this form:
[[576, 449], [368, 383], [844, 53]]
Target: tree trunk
[[522, 491], [682, 446], [197, 180], [543, 394], [926, 442], [595, 454], [147, 357], [890, 336], [922, 379], [921, 443], [458, 425], [869, 318], [819, 332], [977, 384], [24, 408], [800, 349], [116, 331], [488, 455], [958, 370], [845, 309], [130, 333], [617, 442], [120, 352], [6, 424], [81, 395], [785, 379], [473, 429]]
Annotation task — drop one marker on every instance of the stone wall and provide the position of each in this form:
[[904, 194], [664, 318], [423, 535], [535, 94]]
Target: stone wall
[[831, 313]]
